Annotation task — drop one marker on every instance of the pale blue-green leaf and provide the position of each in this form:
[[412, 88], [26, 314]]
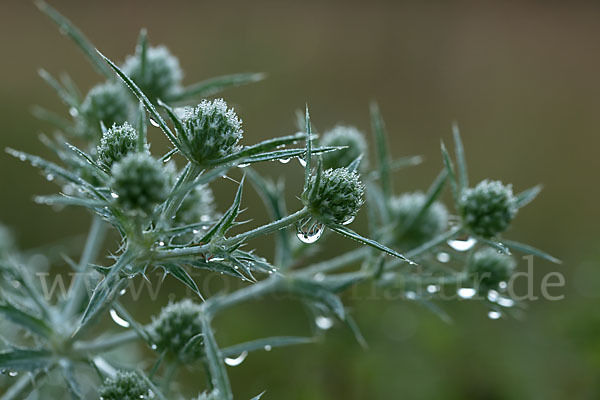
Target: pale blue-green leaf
[[527, 196], [527, 249], [25, 359], [261, 344], [215, 85], [382, 147], [214, 362], [26, 320], [461, 162]]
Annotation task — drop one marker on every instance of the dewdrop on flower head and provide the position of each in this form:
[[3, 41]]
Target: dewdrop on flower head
[[405, 208], [176, 324], [489, 268], [488, 208], [349, 137], [107, 103], [139, 182], [338, 197], [162, 75], [212, 130], [116, 143], [126, 385]]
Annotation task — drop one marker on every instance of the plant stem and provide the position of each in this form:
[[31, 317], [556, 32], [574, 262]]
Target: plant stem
[[90, 253], [269, 228], [108, 343], [191, 172]]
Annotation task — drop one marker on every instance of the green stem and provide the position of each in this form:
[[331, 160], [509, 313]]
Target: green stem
[[90, 253], [192, 171], [269, 228], [106, 344]]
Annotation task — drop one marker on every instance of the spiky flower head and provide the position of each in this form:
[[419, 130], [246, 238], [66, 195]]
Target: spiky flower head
[[489, 267], [347, 136], [161, 75], [106, 103], [126, 385], [410, 233], [176, 324], [488, 208], [336, 197], [213, 131], [139, 182], [116, 143]]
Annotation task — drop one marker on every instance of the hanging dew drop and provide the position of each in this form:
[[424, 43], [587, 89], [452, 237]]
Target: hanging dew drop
[[122, 292], [502, 285], [462, 244], [494, 315], [309, 230], [50, 177], [12, 373], [466, 293], [505, 302], [117, 318], [349, 220], [73, 111], [154, 123], [323, 323], [234, 362], [284, 160], [268, 347], [443, 257], [114, 195], [244, 165], [433, 288], [302, 162]]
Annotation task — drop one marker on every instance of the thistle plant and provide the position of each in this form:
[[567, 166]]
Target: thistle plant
[[163, 209]]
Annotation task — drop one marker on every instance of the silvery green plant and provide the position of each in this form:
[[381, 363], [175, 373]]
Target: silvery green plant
[[163, 209]]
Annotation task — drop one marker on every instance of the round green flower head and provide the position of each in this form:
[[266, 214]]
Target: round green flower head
[[175, 326], [116, 143], [107, 103], [489, 268], [126, 385], [212, 130], [337, 198], [405, 208], [488, 208], [347, 136], [139, 182], [162, 75]]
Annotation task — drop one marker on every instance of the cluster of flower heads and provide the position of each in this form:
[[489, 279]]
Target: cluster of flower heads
[[126, 385]]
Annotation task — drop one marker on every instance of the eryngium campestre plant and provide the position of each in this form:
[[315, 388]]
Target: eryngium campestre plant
[[212, 130], [116, 143], [344, 136], [126, 385], [489, 208], [162, 209]]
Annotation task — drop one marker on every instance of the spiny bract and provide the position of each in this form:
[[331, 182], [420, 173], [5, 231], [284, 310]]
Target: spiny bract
[[349, 137], [161, 76], [139, 182], [212, 130], [488, 208], [405, 208], [116, 143], [106, 103], [175, 326], [126, 385], [338, 197]]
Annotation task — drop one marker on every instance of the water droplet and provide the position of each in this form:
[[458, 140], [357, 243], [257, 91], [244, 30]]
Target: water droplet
[[50, 177], [114, 195], [309, 230], [117, 318], [166, 160], [13, 373], [462, 244], [73, 111], [323, 322], [502, 285], [243, 165], [433, 288], [505, 302], [493, 296], [466, 293], [443, 257], [410, 295], [161, 243], [302, 162], [268, 348], [122, 292], [234, 362], [195, 231], [320, 277], [284, 160], [349, 220], [154, 123], [16, 284], [153, 346], [494, 315]]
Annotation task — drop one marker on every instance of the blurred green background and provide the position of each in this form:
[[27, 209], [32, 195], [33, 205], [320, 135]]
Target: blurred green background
[[521, 78]]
